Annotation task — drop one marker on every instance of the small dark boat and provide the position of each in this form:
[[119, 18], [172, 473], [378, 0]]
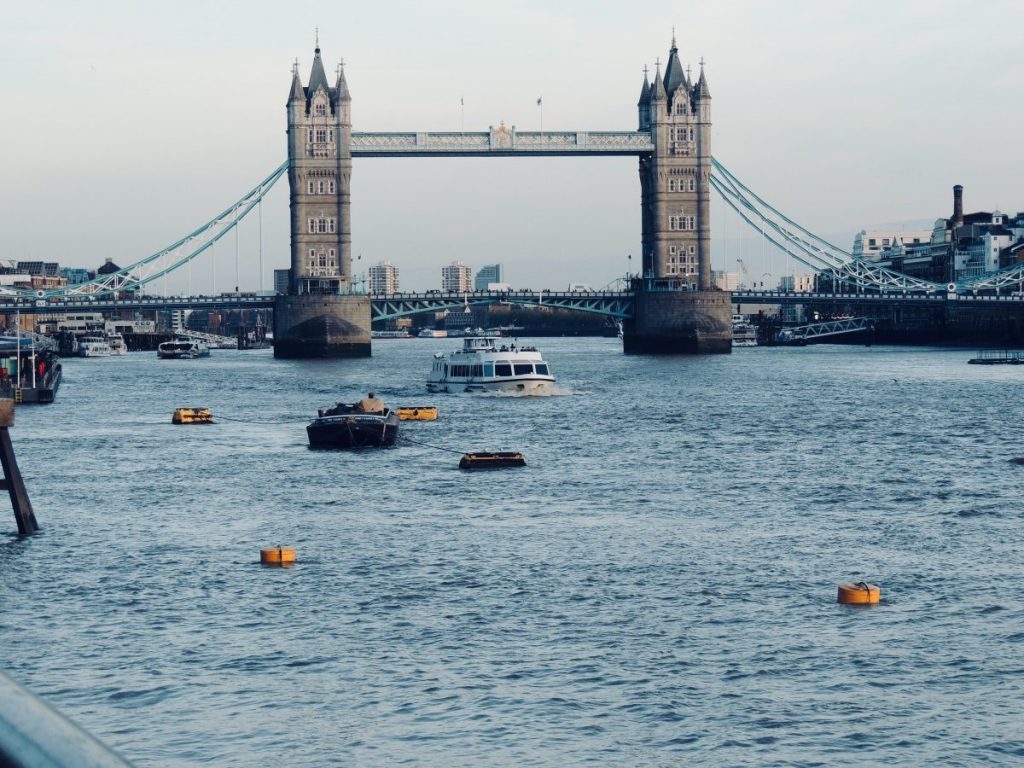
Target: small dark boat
[[492, 460], [348, 426]]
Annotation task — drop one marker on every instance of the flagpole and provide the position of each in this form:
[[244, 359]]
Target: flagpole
[[462, 107]]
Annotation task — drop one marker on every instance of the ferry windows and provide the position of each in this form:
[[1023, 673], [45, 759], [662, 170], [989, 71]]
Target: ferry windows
[[478, 370], [502, 369], [488, 369], [542, 369], [523, 369]]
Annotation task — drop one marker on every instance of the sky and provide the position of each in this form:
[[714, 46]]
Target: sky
[[128, 124]]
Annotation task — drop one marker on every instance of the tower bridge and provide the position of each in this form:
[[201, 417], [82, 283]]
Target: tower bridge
[[671, 305]]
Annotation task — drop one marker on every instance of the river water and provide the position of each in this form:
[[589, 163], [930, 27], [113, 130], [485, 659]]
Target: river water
[[656, 587]]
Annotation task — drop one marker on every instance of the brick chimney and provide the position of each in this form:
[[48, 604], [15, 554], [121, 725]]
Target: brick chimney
[[958, 205]]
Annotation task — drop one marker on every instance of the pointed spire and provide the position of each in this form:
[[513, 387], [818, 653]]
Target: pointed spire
[[657, 87], [645, 89], [341, 85], [674, 75], [317, 76], [296, 91], [702, 83]]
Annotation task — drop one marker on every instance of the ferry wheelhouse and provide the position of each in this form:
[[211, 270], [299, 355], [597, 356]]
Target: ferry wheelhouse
[[482, 366]]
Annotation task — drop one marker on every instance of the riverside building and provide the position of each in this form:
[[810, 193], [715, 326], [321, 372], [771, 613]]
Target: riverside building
[[960, 247]]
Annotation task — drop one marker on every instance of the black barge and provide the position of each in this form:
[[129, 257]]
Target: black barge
[[349, 426]]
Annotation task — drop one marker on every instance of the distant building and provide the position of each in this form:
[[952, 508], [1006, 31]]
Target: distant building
[[491, 273], [108, 268], [796, 283], [458, 320], [869, 245], [76, 275], [455, 277], [282, 279], [178, 318], [725, 281], [384, 278], [960, 247]]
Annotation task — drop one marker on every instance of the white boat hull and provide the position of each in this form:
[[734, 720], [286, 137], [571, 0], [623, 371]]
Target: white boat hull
[[534, 386]]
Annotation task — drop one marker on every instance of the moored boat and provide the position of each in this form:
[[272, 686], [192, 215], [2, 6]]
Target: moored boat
[[93, 346], [116, 343], [482, 366], [352, 426]]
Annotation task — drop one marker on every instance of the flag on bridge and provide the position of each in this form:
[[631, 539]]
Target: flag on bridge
[[541, 99]]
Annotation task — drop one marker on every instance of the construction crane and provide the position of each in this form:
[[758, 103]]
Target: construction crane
[[746, 275]]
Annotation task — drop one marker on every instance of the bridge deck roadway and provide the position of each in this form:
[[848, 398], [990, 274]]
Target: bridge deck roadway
[[618, 304]]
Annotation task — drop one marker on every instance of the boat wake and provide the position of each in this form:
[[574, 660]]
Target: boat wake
[[554, 391]]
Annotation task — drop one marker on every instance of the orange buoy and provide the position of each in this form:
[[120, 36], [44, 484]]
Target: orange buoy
[[860, 593], [278, 555]]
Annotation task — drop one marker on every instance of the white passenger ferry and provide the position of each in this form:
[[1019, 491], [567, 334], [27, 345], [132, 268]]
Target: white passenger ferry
[[93, 346], [182, 348], [482, 366], [116, 343]]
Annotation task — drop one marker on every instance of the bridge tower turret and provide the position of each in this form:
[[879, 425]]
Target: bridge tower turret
[[320, 317], [319, 129], [643, 106], [675, 180], [677, 307]]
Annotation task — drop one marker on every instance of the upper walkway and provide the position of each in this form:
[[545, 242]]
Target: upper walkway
[[501, 141]]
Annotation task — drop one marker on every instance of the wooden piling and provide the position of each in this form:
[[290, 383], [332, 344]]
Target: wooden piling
[[12, 481]]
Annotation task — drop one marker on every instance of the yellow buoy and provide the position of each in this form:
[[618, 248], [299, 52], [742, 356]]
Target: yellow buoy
[[278, 555], [860, 593], [192, 416], [418, 413]]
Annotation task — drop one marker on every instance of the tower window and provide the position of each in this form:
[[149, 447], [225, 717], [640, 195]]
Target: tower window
[[311, 187], [321, 135], [330, 187], [321, 110], [320, 188]]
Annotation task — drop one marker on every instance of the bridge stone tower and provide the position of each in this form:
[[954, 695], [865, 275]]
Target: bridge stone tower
[[677, 308], [320, 317]]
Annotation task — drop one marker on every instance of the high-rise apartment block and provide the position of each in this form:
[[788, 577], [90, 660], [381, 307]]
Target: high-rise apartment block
[[384, 278], [456, 277]]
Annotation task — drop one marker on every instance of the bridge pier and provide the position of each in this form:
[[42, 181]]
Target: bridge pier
[[673, 322], [322, 325]]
